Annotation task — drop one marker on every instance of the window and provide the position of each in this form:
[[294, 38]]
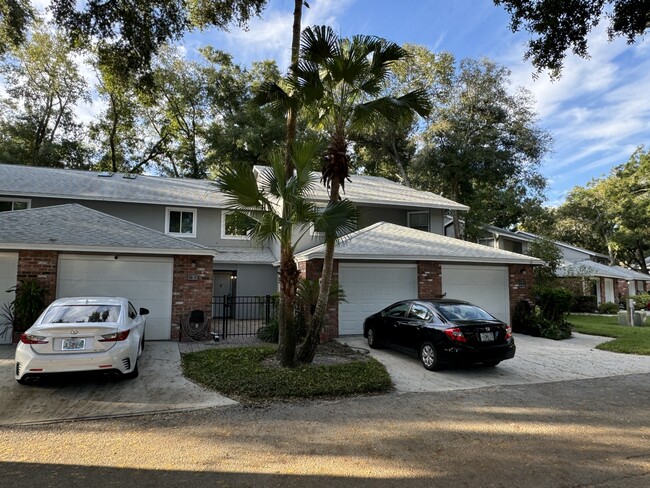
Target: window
[[78, 314], [132, 313], [398, 310], [8, 205], [419, 220], [180, 222], [230, 228], [420, 312]]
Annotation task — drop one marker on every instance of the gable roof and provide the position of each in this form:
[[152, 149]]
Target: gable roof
[[385, 241], [517, 236], [633, 274], [375, 190], [73, 227], [33, 181], [565, 245], [587, 268]]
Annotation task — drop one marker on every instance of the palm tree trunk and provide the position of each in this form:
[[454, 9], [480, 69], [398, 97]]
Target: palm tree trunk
[[289, 273]]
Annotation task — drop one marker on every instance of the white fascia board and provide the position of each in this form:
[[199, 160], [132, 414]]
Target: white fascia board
[[448, 259]]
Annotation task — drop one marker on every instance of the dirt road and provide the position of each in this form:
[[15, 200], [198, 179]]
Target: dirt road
[[566, 434]]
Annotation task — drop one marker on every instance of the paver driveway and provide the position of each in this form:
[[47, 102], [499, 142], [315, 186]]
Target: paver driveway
[[161, 387], [537, 361]]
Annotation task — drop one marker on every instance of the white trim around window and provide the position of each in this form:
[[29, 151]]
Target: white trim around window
[[179, 210], [23, 203], [224, 213], [419, 212]]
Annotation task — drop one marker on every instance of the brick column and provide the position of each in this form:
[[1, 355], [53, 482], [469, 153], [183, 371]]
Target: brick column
[[429, 279], [41, 266], [313, 270], [191, 289], [521, 282]]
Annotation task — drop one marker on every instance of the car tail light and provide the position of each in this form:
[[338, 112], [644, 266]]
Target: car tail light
[[508, 332], [455, 334], [32, 339], [117, 336]]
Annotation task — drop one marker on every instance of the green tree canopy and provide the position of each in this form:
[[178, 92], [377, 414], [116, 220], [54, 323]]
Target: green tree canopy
[[560, 26]]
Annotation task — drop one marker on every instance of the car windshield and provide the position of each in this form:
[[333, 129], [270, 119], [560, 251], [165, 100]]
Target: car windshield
[[462, 311], [75, 314]]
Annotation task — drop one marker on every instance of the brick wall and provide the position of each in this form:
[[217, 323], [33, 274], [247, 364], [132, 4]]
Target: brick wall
[[42, 266], [429, 279], [521, 283], [312, 270], [191, 289]]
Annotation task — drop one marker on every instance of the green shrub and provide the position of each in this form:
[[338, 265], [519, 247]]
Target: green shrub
[[641, 301], [585, 304], [555, 303], [608, 307], [548, 319]]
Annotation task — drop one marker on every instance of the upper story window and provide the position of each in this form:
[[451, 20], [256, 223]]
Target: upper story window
[[10, 204], [419, 220], [230, 228], [180, 222]]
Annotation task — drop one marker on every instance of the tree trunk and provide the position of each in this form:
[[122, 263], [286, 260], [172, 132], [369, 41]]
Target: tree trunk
[[456, 220], [289, 273]]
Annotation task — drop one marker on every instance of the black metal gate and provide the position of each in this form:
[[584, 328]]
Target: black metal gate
[[242, 316]]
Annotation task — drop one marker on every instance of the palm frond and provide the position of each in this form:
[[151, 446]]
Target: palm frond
[[239, 184], [271, 94], [337, 219], [319, 43]]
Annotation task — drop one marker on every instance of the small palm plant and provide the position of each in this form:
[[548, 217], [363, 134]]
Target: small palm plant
[[259, 204]]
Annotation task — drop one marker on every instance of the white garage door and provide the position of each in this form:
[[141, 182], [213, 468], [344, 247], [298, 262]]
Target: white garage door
[[485, 286], [8, 271], [370, 288], [147, 282]]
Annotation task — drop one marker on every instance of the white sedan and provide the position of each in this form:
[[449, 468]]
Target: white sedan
[[82, 334]]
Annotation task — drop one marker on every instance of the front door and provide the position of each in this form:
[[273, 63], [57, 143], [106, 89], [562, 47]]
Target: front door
[[223, 293]]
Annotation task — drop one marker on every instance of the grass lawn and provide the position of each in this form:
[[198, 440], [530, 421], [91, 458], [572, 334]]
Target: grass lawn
[[629, 340], [251, 374]]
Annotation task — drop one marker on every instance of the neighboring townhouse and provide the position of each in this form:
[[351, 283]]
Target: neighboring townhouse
[[169, 245], [607, 283]]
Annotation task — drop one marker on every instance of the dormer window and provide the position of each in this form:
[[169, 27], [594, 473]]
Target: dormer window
[[11, 204], [418, 220], [180, 222]]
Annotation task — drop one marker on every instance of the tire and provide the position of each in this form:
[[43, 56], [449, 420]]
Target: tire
[[429, 357], [142, 343], [372, 338], [23, 381], [491, 364]]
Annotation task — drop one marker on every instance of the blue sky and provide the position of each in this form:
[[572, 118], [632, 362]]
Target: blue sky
[[597, 113]]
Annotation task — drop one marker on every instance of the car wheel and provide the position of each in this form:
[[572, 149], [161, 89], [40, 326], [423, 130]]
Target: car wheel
[[491, 364], [429, 357], [372, 338]]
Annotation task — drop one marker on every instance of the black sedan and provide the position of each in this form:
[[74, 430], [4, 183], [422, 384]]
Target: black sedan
[[441, 332]]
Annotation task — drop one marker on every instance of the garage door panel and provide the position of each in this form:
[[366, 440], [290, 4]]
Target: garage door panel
[[369, 289], [8, 272], [485, 286], [146, 282]]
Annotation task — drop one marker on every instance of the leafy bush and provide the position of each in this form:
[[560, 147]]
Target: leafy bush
[[28, 303], [555, 303], [548, 319], [585, 304], [641, 301], [608, 307], [522, 316]]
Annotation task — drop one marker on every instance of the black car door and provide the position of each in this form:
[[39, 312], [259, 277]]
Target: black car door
[[409, 330], [390, 321]]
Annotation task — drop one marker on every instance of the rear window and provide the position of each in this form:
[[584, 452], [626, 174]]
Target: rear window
[[459, 311], [76, 314]]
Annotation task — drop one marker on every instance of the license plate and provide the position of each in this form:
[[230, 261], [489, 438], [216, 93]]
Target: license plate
[[486, 336], [73, 344]]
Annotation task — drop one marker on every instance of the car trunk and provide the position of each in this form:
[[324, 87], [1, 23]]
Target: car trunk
[[73, 338], [481, 333]]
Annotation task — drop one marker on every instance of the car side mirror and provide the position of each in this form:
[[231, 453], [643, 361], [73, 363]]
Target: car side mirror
[[144, 311]]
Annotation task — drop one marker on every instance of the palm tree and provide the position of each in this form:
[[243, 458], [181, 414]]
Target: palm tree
[[276, 207], [341, 81]]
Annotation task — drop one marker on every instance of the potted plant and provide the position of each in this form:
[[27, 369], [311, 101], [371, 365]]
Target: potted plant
[[27, 305]]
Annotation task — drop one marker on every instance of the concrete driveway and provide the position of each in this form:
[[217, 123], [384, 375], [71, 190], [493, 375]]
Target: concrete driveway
[[537, 361], [160, 387]]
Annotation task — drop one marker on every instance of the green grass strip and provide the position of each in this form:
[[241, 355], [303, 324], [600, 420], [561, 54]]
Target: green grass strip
[[628, 340], [244, 373]]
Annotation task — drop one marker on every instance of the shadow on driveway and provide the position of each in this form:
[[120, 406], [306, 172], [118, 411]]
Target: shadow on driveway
[[160, 387]]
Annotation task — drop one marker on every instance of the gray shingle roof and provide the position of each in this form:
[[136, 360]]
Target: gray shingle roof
[[374, 190], [633, 274], [75, 227], [244, 255], [588, 268], [31, 181], [384, 241]]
